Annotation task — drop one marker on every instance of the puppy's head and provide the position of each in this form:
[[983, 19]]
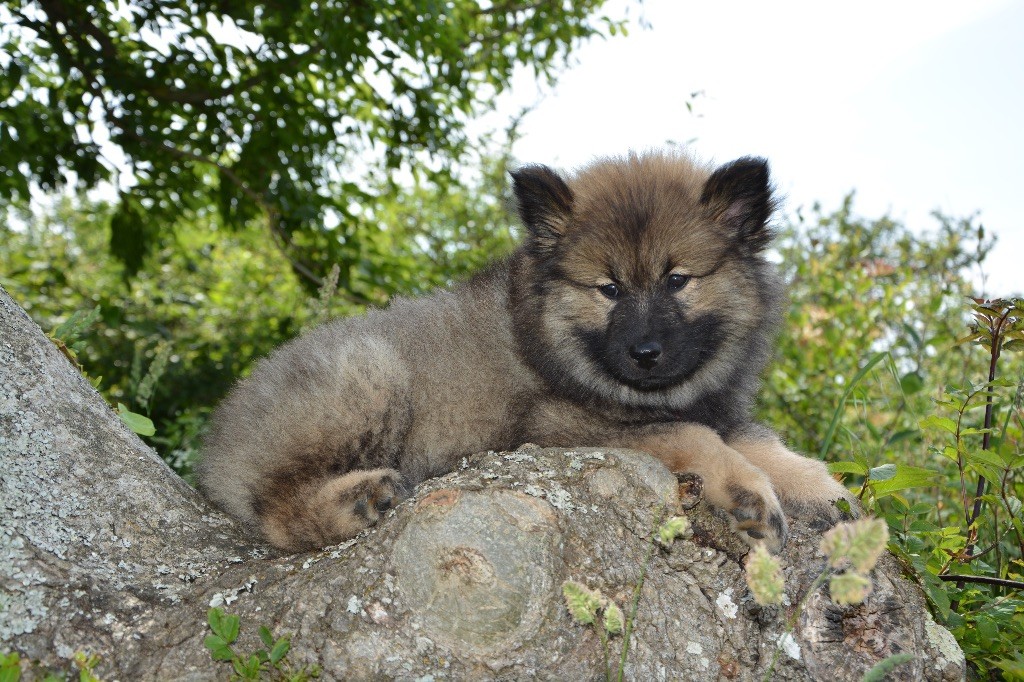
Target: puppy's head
[[647, 272]]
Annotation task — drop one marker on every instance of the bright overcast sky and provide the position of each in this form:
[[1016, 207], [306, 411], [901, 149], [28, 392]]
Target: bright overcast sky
[[915, 105]]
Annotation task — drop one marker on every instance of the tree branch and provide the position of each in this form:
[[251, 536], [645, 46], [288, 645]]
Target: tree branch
[[985, 580]]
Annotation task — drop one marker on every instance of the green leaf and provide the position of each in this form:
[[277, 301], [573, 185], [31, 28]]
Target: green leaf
[[247, 670], [984, 457], [215, 618], [838, 413], [906, 477], [881, 670], [911, 383], [280, 649], [933, 421], [10, 667], [987, 628], [77, 324], [136, 422], [912, 333], [223, 625], [882, 473], [252, 667], [132, 234], [920, 508], [266, 637], [844, 506], [990, 473], [847, 468], [922, 526], [902, 435], [218, 648], [229, 628]]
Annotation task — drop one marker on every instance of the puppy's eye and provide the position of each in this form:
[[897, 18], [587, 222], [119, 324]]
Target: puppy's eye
[[611, 291], [677, 282]]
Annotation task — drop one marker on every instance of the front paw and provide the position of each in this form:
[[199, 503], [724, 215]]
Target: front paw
[[756, 513], [370, 496], [352, 502], [822, 505]]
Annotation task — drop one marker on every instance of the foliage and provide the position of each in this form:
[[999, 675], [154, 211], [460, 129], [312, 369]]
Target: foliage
[[860, 288], [270, 663], [298, 114], [881, 670], [674, 527], [66, 338], [12, 666], [764, 576], [925, 422], [169, 342]]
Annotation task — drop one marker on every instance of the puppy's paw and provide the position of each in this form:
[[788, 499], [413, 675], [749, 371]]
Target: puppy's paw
[[324, 512], [363, 497], [756, 512], [822, 504]]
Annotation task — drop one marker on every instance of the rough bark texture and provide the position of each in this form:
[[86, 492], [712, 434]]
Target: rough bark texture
[[103, 549]]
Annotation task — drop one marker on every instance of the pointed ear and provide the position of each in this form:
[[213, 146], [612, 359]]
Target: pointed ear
[[544, 202], [739, 197]]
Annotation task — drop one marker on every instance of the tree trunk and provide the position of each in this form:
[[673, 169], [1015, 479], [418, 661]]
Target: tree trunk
[[104, 550]]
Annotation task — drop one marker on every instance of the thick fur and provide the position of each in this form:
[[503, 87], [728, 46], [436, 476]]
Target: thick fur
[[638, 312]]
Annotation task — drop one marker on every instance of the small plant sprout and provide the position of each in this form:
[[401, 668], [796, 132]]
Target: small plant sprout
[[764, 576], [858, 542], [86, 663], [613, 622], [270, 663], [856, 545], [583, 603], [672, 528], [849, 588], [12, 665]]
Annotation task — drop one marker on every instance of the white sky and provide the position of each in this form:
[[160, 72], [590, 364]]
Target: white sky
[[915, 105]]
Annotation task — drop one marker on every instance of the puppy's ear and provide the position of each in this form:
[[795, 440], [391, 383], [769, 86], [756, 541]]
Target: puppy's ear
[[739, 198], [544, 202]]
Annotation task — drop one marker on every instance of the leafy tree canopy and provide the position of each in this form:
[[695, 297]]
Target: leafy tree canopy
[[297, 112]]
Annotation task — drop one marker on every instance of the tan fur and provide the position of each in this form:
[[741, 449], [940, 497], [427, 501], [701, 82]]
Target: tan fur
[[692, 448], [801, 483], [317, 443], [320, 512]]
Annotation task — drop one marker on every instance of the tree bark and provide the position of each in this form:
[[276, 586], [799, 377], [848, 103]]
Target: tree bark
[[103, 549]]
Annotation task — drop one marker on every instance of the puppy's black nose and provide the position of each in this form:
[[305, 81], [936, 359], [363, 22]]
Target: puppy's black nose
[[646, 354]]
